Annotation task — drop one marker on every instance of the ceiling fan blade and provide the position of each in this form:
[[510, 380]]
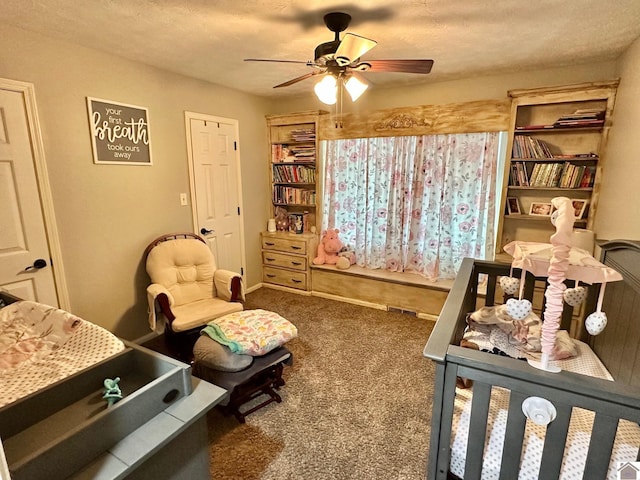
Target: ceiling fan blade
[[278, 61], [401, 66], [299, 79], [352, 47]]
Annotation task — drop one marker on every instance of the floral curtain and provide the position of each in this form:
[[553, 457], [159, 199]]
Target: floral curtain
[[413, 204]]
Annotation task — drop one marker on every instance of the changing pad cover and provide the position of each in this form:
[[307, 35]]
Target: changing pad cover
[[40, 345]]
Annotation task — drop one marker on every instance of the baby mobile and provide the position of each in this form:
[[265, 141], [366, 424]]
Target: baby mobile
[[557, 261]]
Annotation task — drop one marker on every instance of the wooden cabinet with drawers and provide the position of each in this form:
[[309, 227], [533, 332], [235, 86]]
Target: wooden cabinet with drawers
[[286, 259]]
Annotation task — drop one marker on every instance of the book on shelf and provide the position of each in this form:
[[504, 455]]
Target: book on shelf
[[525, 146], [554, 175], [303, 135], [533, 127], [586, 117], [284, 195], [281, 153], [294, 174], [578, 123]]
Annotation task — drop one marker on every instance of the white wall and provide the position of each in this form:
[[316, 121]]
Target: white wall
[[107, 214], [617, 216]]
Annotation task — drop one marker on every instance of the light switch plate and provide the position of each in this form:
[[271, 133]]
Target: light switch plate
[[183, 200]]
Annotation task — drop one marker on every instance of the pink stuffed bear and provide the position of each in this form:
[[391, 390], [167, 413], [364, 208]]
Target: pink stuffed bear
[[328, 248]]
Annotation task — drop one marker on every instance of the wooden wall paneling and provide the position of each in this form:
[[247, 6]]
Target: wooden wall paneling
[[470, 117], [406, 296]]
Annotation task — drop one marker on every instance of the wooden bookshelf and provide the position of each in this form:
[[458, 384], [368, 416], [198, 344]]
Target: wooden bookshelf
[[556, 147], [293, 154]]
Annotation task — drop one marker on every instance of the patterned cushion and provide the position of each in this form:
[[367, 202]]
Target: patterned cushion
[[251, 332]]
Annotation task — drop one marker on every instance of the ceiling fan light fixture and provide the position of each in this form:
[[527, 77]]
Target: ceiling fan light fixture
[[356, 86], [327, 89]]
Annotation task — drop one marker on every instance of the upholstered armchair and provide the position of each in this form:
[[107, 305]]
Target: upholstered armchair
[[187, 290]]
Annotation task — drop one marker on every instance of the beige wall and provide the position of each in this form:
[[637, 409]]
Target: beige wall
[[617, 216], [107, 214]]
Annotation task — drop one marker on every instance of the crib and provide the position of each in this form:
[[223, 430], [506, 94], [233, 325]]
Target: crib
[[608, 402]]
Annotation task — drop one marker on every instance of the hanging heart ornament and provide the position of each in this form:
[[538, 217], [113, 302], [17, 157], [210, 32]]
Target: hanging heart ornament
[[596, 322], [518, 309], [575, 296], [509, 285]]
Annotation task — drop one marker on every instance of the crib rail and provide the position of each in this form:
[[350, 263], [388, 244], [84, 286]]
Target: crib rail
[[609, 401]]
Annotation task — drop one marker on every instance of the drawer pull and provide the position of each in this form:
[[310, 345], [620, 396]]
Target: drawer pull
[[295, 248], [270, 275], [270, 259], [270, 244], [296, 263], [296, 281]]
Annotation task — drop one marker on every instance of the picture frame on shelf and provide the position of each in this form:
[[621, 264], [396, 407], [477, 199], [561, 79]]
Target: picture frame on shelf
[[541, 209], [579, 207], [513, 206], [296, 223]]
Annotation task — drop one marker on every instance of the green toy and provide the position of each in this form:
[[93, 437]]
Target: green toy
[[112, 392]]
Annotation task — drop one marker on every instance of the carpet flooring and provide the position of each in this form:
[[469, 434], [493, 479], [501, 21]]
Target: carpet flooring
[[356, 404]]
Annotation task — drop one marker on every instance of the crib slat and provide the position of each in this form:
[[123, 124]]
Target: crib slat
[[603, 435], [554, 442], [514, 436], [448, 398], [477, 430], [490, 298]]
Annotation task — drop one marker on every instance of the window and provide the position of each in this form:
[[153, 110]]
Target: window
[[415, 203]]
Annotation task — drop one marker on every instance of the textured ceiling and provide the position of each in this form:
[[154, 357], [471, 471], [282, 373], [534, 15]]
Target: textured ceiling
[[208, 39]]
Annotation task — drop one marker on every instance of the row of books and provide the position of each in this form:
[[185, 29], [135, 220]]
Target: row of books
[[579, 118], [588, 117], [525, 146], [281, 153], [293, 196], [294, 174], [303, 135], [551, 174]]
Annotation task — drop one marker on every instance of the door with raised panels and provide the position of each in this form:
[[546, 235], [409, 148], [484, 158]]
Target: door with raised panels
[[216, 174], [25, 269]]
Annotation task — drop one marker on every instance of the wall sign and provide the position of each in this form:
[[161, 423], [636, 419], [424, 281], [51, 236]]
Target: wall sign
[[119, 133]]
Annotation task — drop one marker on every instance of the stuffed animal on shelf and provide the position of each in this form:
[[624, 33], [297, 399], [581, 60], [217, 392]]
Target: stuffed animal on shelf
[[346, 258], [328, 248], [282, 219]]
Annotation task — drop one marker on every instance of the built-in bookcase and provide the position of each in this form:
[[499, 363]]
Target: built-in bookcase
[[293, 156], [556, 147]]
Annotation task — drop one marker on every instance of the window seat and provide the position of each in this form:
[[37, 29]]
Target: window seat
[[394, 291]]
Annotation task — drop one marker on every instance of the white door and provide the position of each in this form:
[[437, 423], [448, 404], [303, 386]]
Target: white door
[[215, 167], [25, 259]]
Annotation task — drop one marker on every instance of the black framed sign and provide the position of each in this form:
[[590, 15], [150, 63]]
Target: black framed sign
[[119, 133]]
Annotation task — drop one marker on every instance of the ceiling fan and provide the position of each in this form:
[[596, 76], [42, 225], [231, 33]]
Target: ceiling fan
[[339, 61]]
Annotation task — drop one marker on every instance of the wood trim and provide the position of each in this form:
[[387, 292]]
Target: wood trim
[[309, 116], [564, 90], [478, 116]]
